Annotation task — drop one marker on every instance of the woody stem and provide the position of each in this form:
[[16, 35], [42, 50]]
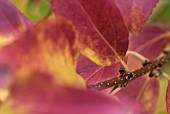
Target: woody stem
[[129, 76]]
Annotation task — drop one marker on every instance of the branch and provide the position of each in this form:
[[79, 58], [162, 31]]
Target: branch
[[127, 77]]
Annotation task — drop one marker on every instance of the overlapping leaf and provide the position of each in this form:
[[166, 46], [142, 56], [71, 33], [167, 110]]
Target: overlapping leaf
[[39, 94], [93, 73], [50, 46], [11, 22], [104, 36], [136, 12], [150, 39], [142, 90]]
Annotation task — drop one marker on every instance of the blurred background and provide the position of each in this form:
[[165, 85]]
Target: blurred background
[[36, 10]]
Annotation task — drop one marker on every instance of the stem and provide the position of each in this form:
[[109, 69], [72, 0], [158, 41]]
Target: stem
[[125, 79], [137, 55]]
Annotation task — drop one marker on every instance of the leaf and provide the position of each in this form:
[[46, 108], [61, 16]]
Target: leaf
[[143, 91], [103, 34], [151, 38], [147, 40], [39, 94], [93, 73], [12, 22], [50, 46], [136, 12]]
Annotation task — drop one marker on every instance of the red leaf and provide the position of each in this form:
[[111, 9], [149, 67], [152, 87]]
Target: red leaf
[[136, 12], [150, 39], [38, 40], [39, 94], [100, 25], [150, 43], [93, 73], [143, 91], [11, 22], [50, 47], [138, 91]]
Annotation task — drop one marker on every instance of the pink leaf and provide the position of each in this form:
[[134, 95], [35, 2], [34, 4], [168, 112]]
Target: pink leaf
[[151, 38], [143, 90], [12, 22], [100, 26], [50, 47], [93, 73], [136, 12], [39, 94]]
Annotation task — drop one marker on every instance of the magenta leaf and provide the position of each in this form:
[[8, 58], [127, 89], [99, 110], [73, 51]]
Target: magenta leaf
[[136, 12], [41, 95], [12, 21], [151, 38], [44, 46], [143, 90], [100, 26], [93, 73]]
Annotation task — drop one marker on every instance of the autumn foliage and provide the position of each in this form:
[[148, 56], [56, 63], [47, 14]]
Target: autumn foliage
[[47, 67]]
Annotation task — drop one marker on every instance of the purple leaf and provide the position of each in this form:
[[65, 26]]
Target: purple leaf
[[12, 22]]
